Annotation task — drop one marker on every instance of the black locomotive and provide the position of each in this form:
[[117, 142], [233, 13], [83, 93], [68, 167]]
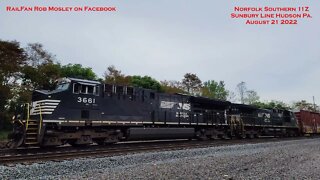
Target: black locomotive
[[81, 112]]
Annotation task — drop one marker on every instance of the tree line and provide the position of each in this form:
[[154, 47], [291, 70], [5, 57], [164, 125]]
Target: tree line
[[24, 69]]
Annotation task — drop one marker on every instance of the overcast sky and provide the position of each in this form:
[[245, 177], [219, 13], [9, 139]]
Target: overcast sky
[[167, 38]]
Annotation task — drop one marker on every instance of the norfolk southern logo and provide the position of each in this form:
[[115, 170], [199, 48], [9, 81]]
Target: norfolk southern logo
[[176, 106], [266, 116]]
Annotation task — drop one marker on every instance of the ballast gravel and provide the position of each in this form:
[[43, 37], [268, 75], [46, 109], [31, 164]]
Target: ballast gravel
[[294, 159]]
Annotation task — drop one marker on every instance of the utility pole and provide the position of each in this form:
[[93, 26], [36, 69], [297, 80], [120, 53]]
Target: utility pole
[[314, 105]]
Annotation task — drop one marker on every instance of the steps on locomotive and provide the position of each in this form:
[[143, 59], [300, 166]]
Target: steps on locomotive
[[32, 132]]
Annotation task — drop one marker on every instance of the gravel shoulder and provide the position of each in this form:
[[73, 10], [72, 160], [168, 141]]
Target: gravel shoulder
[[295, 159]]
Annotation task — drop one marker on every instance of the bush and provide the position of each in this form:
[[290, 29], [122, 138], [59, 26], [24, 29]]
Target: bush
[[5, 121], [4, 135]]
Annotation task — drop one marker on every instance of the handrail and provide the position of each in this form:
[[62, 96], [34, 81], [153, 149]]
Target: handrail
[[28, 116], [40, 120]]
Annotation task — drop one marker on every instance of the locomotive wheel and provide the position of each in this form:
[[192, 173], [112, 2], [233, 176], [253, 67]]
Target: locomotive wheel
[[251, 136], [75, 144], [242, 136], [112, 139], [201, 135], [258, 135], [72, 142], [225, 136], [100, 142], [203, 138], [214, 137]]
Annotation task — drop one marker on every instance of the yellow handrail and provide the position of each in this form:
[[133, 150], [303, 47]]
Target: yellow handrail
[[40, 123], [28, 114]]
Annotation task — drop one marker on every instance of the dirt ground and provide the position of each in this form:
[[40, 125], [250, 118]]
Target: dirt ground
[[2, 144]]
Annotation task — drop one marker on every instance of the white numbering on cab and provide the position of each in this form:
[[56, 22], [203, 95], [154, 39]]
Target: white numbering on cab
[[86, 100]]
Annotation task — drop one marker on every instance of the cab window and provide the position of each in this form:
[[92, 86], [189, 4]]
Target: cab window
[[76, 88], [63, 86]]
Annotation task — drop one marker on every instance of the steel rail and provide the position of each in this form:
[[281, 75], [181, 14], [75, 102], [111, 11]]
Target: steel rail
[[122, 149]]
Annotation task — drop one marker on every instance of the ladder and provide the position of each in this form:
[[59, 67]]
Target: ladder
[[33, 128]]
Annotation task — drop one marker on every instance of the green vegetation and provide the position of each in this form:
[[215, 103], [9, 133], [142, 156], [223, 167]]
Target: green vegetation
[[272, 105], [77, 71], [145, 82], [4, 135], [191, 83], [215, 90]]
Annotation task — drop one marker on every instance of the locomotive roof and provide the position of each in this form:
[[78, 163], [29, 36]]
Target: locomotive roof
[[208, 101], [85, 81], [244, 106]]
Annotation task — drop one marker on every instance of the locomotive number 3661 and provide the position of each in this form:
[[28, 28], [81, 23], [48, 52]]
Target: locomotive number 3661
[[86, 100]]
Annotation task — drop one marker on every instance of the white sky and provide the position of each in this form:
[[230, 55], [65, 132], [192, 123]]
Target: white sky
[[167, 38]]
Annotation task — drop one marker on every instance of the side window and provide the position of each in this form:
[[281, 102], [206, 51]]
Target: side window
[[108, 89], [119, 90], [85, 89], [96, 92], [90, 89], [129, 91], [76, 88]]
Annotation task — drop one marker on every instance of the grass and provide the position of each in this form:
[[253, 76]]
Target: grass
[[4, 135]]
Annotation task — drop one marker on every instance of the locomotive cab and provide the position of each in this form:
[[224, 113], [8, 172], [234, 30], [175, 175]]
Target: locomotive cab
[[55, 105], [62, 85], [51, 108]]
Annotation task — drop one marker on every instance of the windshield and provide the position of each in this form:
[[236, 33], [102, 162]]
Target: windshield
[[63, 86]]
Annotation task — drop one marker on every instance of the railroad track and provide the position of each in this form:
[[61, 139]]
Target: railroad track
[[29, 156]]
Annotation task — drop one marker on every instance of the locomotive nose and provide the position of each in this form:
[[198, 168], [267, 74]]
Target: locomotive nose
[[39, 95]]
